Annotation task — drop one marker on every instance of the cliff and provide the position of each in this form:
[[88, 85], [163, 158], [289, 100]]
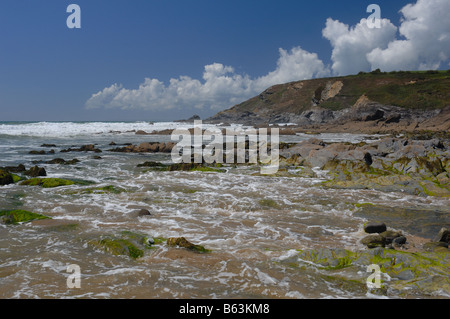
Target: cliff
[[367, 102]]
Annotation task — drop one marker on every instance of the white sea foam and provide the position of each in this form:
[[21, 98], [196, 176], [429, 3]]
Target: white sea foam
[[73, 129]]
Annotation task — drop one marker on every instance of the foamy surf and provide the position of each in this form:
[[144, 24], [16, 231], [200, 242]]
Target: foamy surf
[[255, 226]]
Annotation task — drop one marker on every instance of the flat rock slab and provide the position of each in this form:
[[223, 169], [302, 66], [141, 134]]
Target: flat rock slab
[[55, 224], [425, 223]]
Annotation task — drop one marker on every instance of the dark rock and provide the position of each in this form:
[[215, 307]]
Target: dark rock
[[183, 242], [56, 161], [368, 159], [16, 169], [72, 162], [37, 152], [401, 240], [390, 235], [154, 147], [48, 145], [378, 115], [36, 171], [143, 212], [393, 118], [191, 119], [150, 164], [373, 240], [90, 148], [84, 148], [374, 227], [5, 177], [443, 236]]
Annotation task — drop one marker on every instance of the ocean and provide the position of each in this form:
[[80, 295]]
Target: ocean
[[253, 225]]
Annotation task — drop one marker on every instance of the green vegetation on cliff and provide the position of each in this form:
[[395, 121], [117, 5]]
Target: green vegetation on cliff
[[412, 90]]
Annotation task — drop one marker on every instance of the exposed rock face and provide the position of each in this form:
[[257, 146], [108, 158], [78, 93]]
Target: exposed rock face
[[375, 102], [443, 236], [412, 272], [420, 167]]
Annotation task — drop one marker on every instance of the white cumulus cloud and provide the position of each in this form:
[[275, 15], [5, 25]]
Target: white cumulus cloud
[[421, 41], [221, 87], [425, 43], [352, 44]]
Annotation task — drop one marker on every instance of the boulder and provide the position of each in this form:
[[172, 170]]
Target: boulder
[[63, 161], [443, 236], [373, 240], [16, 169], [375, 227], [146, 148], [401, 240], [183, 242], [141, 212], [390, 235], [20, 216], [47, 182], [5, 177], [36, 171]]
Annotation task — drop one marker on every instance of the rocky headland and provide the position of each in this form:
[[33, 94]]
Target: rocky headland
[[409, 244], [374, 102]]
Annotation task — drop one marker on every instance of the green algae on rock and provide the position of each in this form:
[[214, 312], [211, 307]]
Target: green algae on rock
[[117, 246], [183, 242], [182, 167], [109, 189], [47, 182], [127, 243], [268, 203], [402, 272], [5, 177], [53, 182], [17, 216]]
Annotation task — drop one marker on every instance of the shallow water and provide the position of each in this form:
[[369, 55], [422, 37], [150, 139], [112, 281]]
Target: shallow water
[[251, 223]]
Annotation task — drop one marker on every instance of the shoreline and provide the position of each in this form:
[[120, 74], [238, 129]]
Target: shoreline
[[347, 168]]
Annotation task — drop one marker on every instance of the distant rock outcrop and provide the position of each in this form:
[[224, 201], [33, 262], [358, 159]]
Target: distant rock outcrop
[[373, 102], [190, 120]]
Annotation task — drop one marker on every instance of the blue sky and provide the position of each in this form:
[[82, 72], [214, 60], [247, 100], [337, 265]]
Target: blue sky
[[50, 72]]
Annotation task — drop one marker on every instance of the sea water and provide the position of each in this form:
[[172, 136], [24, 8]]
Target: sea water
[[252, 224]]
